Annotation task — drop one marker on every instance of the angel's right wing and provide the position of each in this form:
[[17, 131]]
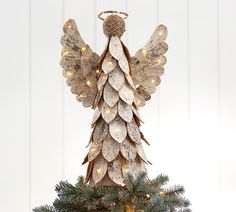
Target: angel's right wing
[[79, 64], [147, 66]]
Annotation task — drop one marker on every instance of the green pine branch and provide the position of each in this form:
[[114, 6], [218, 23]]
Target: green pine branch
[[140, 192], [45, 208]]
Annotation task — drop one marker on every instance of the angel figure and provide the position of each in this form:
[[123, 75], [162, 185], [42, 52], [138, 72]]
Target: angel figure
[[115, 85]]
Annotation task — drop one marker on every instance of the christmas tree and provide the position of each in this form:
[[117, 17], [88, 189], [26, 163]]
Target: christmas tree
[[115, 85]]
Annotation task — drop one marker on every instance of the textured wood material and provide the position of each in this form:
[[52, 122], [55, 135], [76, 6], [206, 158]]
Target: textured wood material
[[116, 78], [102, 80], [158, 36], [139, 101], [135, 111], [147, 66], [116, 48], [125, 111], [128, 149], [123, 63], [108, 113], [110, 95], [99, 168], [130, 81], [107, 85], [98, 98], [115, 171], [94, 150], [110, 149], [117, 129], [126, 94], [100, 131], [140, 152], [109, 63], [79, 64], [133, 131], [96, 115], [133, 168]]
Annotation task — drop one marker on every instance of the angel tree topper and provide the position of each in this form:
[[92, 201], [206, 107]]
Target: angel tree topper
[[115, 85]]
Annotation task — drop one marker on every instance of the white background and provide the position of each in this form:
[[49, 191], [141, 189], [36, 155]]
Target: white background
[[190, 121]]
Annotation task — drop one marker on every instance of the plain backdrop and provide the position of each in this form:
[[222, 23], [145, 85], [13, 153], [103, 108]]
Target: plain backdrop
[[190, 121]]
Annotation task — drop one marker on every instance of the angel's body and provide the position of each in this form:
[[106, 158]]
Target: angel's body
[[115, 85]]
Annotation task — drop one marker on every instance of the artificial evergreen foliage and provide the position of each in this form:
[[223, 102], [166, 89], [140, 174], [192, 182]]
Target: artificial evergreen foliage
[[138, 194]]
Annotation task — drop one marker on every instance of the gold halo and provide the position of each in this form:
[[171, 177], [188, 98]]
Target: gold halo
[[103, 15]]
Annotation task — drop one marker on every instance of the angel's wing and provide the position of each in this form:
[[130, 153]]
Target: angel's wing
[[147, 66], [79, 64]]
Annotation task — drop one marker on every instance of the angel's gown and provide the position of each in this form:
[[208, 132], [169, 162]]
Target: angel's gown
[[115, 144]]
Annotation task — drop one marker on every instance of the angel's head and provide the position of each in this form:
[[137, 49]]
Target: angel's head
[[113, 23]]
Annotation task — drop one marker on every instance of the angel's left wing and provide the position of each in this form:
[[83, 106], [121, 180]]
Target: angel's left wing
[[147, 66], [79, 64]]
